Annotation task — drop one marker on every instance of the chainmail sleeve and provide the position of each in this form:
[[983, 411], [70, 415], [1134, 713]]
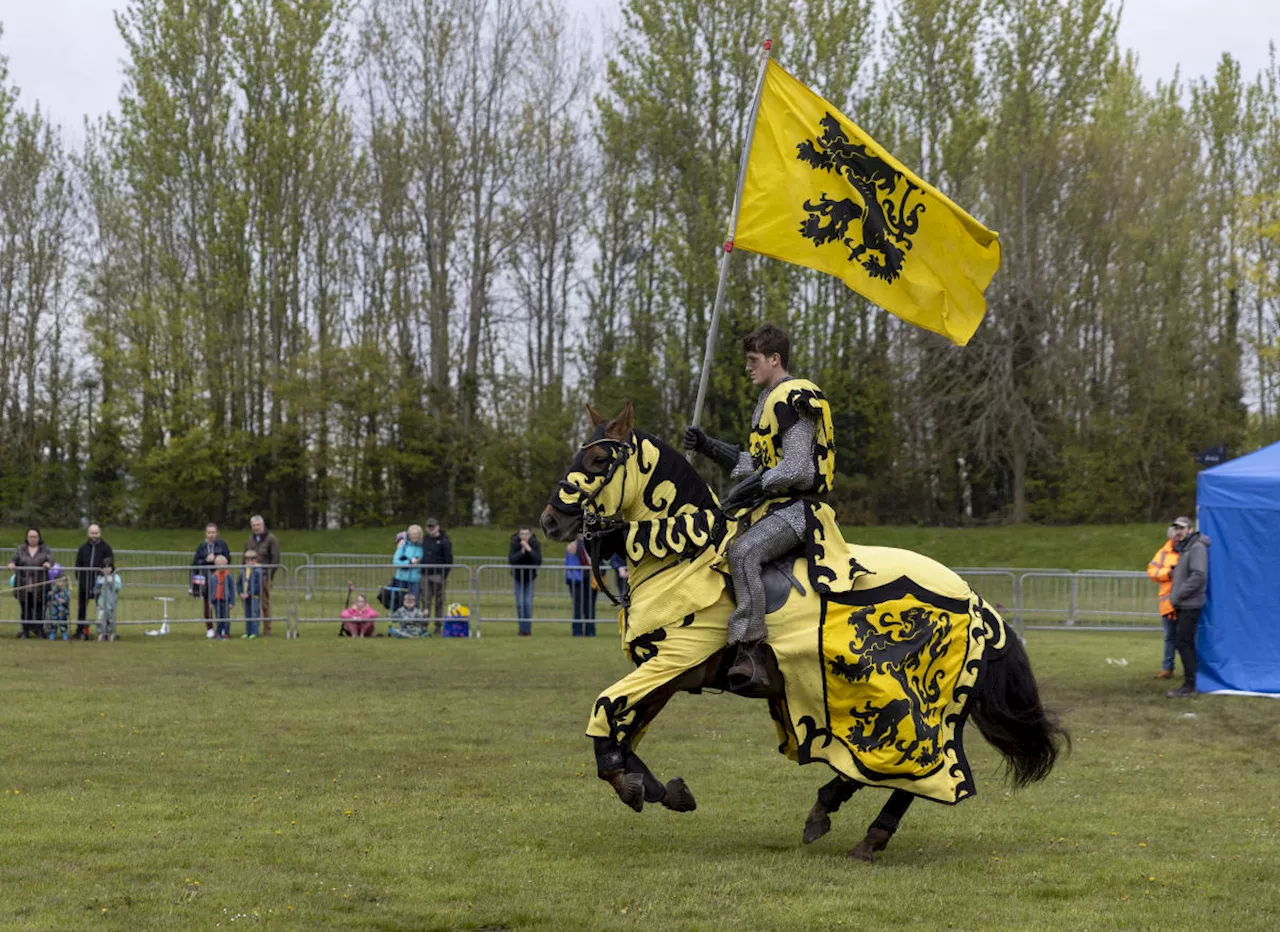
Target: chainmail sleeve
[[795, 472], [744, 467]]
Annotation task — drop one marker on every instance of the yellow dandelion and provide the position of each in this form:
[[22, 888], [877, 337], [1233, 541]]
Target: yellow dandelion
[[1142, 844]]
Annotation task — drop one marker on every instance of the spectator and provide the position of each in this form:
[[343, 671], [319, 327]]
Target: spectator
[[410, 622], [437, 556], [1190, 580], [222, 595], [357, 620], [209, 550], [107, 592], [264, 544], [1160, 569], [623, 574], [30, 565], [91, 556], [408, 561], [59, 603], [524, 556], [582, 588], [253, 590]]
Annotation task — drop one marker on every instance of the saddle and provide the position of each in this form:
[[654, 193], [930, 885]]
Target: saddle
[[779, 581]]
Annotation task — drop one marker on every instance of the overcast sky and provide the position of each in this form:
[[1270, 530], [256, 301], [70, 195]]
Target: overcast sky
[[66, 53]]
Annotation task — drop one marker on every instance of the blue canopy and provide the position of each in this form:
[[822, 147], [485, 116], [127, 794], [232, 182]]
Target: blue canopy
[[1238, 504]]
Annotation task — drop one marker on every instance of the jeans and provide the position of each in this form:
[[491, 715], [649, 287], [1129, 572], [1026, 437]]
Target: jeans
[[252, 611], [221, 611], [1170, 626], [584, 608], [434, 604], [1185, 642], [524, 604], [32, 602]]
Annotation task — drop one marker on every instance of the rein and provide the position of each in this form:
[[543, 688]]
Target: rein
[[596, 525]]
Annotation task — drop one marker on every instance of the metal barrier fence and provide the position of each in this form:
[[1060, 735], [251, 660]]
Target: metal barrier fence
[[308, 592], [132, 559], [1092, 599], [166, 597], [324, 591]]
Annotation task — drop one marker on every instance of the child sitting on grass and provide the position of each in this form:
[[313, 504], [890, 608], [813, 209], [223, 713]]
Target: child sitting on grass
[[107, 592], [411, 623], [357, 621], [59, 604], [222, 595]]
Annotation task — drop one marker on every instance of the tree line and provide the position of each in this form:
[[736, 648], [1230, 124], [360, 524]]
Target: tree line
[[349, 263]]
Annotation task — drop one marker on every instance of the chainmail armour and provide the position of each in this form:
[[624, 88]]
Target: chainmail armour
[[774, 535]]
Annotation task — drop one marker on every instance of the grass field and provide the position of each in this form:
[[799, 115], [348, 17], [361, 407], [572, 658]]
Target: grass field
[[319, 783], [1102, 547]]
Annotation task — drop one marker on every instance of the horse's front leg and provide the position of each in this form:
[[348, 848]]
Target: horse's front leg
[[882, 829], [619, 766], [831, 797]]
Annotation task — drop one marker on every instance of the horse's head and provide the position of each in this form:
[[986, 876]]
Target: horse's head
[[595, 478]]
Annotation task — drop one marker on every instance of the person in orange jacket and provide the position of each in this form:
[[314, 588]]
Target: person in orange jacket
[[1160, 569]]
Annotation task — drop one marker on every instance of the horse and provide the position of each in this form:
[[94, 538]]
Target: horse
[[876, 682]]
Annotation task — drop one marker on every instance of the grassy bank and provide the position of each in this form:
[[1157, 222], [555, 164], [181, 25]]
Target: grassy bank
[[1109, 547]]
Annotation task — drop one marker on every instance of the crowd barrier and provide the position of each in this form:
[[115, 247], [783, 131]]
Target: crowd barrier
[[308, 590], [162, 597]]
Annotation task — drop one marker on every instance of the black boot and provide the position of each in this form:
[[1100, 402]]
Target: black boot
[[749, 676]]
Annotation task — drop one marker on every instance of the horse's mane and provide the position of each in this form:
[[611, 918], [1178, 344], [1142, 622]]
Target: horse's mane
[[691, 488]]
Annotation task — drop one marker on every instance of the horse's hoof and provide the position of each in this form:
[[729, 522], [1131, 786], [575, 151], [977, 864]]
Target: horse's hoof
[[629, 787], [866, 849], [817, 824], [679, 798]]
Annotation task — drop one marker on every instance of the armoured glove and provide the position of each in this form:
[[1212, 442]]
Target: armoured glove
[[696, 439], [745, 495]]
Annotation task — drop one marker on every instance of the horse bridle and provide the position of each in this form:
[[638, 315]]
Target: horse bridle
[[595, 524]]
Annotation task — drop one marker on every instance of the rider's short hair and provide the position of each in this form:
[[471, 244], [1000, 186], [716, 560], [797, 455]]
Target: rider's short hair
[[768, 339]]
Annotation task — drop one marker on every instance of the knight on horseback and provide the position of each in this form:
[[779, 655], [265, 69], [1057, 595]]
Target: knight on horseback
[[784, 473]]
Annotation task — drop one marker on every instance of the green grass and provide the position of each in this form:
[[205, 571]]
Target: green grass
[[1104, 547], [318, 783]]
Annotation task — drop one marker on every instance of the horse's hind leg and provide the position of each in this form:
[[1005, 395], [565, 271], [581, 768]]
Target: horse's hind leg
[[882, 829], [831, 797]]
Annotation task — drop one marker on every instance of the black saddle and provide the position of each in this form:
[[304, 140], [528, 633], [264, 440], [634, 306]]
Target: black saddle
[[779, 581]]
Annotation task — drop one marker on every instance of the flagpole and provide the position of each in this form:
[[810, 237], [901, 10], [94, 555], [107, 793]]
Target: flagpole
[[714, 329]]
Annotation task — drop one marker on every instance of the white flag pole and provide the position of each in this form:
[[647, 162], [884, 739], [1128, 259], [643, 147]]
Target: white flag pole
[[714, 329]]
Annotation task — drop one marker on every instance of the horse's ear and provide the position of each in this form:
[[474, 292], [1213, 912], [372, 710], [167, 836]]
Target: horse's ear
[[596, 419], [620, 427]]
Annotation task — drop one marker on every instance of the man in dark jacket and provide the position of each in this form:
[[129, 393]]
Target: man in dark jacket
[[209, 550], [437, 556], [525, 556], [1190, 580], [91, 556], [267, 547]]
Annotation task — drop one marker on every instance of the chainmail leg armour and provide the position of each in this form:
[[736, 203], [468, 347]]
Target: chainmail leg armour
[[770, 538]]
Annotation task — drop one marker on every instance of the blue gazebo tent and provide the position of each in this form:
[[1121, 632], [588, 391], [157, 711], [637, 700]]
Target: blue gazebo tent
[[1238, 506]]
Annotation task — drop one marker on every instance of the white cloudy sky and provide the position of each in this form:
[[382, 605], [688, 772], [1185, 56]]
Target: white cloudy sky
[[66, 53]]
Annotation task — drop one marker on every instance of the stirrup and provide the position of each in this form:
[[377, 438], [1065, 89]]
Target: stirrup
[[749, 676]]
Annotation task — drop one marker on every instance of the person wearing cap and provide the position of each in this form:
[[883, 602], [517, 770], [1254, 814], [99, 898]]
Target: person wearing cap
[[1160, 569], [437, 557], [1190, 581]]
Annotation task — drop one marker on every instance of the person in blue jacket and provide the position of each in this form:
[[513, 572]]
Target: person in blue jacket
[[408, 561]]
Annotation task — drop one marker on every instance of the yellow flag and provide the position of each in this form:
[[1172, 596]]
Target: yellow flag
[[821, 193]]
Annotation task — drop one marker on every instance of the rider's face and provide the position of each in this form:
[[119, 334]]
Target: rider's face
[[761, 368]]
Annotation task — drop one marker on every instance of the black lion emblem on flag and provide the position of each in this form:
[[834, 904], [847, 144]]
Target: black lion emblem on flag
[[886, 223]]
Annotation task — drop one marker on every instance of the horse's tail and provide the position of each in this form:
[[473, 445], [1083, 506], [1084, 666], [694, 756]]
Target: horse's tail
[[1007, 710]]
